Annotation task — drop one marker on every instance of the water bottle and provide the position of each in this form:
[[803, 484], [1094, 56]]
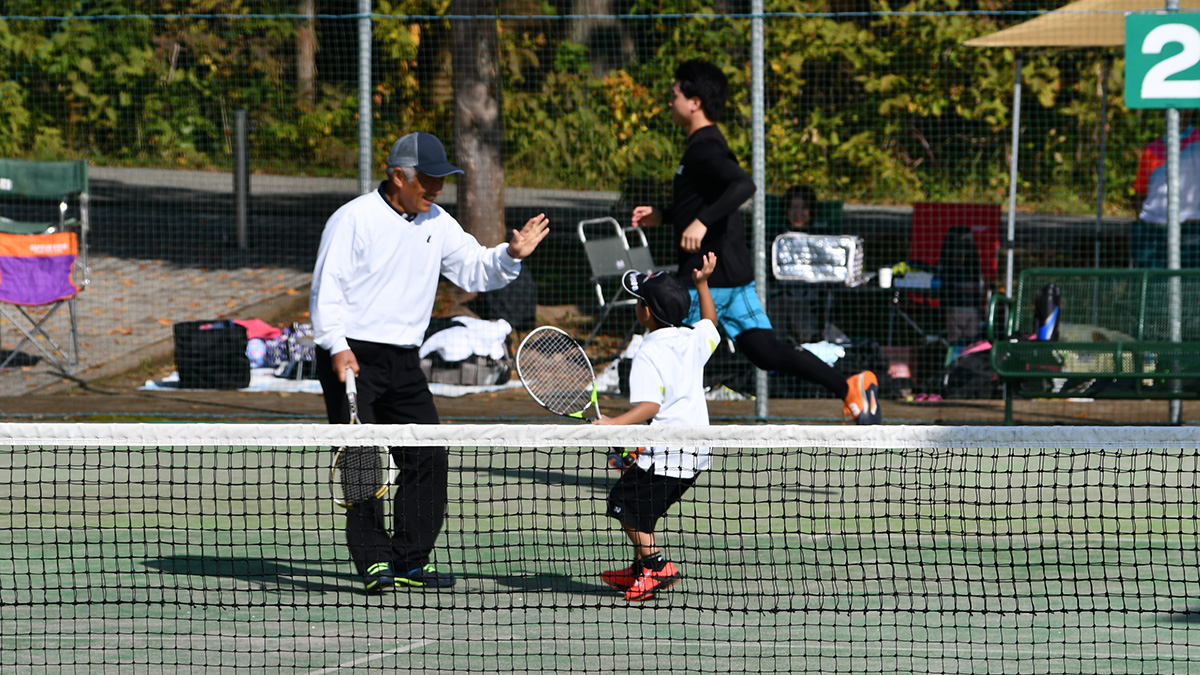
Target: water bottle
[[1045, 312]]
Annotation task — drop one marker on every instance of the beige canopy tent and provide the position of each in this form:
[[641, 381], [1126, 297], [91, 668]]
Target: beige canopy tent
[[1080, 24], [1086, 23]]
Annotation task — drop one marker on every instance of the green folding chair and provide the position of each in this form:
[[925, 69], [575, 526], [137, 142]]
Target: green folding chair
[[43, 253]]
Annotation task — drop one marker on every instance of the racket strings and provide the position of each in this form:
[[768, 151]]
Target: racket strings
[[361, 472], [557, 371]]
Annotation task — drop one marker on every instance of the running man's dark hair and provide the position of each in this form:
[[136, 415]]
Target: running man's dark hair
[[705, 81]]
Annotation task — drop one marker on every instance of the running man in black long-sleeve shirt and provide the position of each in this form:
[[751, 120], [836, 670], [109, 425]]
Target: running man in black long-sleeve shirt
[[709, 188]]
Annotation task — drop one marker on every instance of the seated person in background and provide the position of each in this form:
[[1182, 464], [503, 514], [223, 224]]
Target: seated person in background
[[796, 305], [1149, 244], [1154, 159], [793, 213], [964, 292], [800, 201]]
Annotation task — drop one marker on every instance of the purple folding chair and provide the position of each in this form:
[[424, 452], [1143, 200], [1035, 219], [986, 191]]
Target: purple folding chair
[[39, 258]]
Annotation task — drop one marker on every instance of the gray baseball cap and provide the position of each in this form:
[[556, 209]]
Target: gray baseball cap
[[423, 152]]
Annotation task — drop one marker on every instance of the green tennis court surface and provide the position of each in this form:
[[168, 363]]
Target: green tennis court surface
[[812, 560]]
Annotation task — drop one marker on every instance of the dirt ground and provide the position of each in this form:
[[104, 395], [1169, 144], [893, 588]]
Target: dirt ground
[[118, 400]]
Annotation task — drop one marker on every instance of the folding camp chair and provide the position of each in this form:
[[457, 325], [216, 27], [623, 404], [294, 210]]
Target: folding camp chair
[[610, 256], [958, 244], [40, 256], [931, 225]]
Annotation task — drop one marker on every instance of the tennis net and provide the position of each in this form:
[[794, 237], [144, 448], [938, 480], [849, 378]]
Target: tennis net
[[209, 547]]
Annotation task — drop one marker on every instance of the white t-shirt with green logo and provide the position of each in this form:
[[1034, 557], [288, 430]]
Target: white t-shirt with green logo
[[668, 369]]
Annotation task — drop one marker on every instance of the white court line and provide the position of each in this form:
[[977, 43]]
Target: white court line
[[850, 648], [415, 644], [1164, 652]]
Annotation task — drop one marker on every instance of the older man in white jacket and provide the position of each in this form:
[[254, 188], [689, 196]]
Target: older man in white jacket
[[372, 297]]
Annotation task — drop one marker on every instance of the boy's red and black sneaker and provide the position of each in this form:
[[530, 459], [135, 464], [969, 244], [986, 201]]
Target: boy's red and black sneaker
[[622, 579], [651, 581]]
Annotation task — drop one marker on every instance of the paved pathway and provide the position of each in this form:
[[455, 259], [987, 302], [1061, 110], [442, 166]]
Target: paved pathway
[[128, 310], [160, 254], [163, 250]]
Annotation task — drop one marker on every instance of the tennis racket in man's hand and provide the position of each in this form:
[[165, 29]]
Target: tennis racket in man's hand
[[360, 473], [557, 373]]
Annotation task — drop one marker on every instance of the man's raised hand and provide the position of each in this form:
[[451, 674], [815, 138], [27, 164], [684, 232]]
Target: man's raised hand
[[526, 239]]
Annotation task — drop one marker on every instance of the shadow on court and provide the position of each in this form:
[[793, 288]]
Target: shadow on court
[[539, 583], [1191, 616], [263, 572], [283, 576], [190, 227], [535, 475]]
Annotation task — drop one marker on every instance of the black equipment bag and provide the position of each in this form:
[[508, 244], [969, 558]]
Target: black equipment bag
[[475, 371], [971, 376], [211, 355]]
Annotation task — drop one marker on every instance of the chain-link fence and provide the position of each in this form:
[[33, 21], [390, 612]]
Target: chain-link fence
[[901, 134]]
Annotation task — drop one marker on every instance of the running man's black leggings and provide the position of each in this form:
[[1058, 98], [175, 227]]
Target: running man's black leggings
[[771, 354]]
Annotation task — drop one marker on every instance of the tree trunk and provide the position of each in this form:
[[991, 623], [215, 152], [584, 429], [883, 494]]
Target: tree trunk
[[478, 123], [610, 46], [306, 55]]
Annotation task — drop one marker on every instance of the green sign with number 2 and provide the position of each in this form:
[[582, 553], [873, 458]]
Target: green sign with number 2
[[1162, 60]]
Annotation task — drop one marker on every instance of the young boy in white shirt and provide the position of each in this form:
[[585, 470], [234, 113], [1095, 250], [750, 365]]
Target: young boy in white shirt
[[666, 386]]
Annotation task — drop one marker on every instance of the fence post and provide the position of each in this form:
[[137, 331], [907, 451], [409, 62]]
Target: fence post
[[1012, 179], [1175, 295], [241, 176], [364, 97], [758, 170]]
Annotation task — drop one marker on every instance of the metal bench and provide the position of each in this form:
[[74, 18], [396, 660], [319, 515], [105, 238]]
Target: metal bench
[[1115, 325]]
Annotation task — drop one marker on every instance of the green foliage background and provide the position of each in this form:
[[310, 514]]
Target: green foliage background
[[866, 100]]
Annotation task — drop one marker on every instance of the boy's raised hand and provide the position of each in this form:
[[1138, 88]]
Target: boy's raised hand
[[707, 309], [710, 264]]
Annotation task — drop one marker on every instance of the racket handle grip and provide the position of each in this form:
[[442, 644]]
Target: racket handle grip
[[351, 387]]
